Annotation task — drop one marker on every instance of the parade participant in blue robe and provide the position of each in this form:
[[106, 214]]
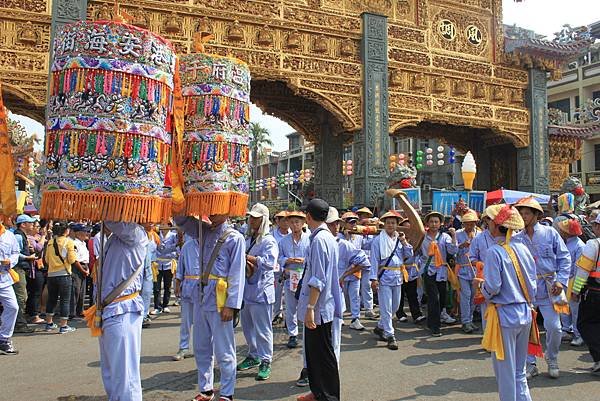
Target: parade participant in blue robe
[[187, 285], [388, 251], [569, 230], [166, 256], [259, 293], [465, 270], [366, 292], [121, 339], [292, 254], [320, 302], [148, 283], [281, 229], [508, 287], [352, 264], [432, 264], [9, 256], [553, 267], [221, 292]]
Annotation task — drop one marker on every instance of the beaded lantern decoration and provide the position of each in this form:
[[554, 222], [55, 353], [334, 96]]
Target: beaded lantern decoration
[[109, 124], [215, 152]]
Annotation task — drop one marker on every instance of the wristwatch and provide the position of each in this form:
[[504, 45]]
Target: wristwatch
[[311, 307]]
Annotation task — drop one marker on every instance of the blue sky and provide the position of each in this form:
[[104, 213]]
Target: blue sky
[[543, 16]]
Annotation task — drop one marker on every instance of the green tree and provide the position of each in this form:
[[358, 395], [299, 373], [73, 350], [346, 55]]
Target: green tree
[[260, 138]]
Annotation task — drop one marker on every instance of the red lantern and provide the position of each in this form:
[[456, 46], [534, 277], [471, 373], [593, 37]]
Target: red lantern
[[405, 183]]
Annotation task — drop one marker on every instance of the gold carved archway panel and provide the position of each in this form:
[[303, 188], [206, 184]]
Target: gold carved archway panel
[[446, 57]]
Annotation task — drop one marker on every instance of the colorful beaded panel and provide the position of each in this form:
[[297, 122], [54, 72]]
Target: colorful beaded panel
[[109, 119], [215, 153]]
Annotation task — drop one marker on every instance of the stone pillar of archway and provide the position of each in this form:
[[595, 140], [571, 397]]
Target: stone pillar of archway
[[66, 12], [372, 143], [328, 168], [533, 161]]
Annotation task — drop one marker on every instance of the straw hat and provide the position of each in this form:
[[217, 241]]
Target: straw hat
[[281, 215], [470, 217], [568, 226], [349, 216], [392, 214], [433, 214], [296, 213], [365, 210], [506, 216], [529, 202], [485, 213]]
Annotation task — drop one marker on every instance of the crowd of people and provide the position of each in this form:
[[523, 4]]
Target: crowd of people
[[501, 267]]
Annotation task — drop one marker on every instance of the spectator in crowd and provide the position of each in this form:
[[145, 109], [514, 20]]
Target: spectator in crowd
[[81, 270], [37, 280], [60, 256], [24, 225], [166, 259]]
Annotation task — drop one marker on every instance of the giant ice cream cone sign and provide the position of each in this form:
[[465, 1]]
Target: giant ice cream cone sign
[[469, 169]]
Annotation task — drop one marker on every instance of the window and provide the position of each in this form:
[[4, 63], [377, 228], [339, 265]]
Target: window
[[597, 157], [563, 105], [595, 95], [294, 142], [401, 145]]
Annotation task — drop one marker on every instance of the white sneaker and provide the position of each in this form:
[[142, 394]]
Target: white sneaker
[[156, 312], [446, 318], [596, 369], [577, 342], [403, 319], [370, 314], [356, 325], [553, 371], [166, 310], [532, 371]]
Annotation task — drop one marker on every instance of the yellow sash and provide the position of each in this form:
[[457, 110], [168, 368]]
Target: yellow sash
[[191, 277], [14, 275], [402, 268], [453, 279], [492, 335], [221, 290], [154, 266], [434, 250], [89, 315]]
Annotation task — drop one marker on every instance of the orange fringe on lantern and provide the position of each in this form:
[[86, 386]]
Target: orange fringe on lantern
[[210, 203], [98, 206]]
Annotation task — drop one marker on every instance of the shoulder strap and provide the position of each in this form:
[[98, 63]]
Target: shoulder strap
[[389, 259], [515, 261], [213, 256], [56, 251], [121, 287]]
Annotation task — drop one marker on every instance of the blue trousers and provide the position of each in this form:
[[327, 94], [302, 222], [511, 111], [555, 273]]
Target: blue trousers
[[187, 319], [10, 307], [120, 349], [389, 301], [352, 290], [336, 334], [257, 324], [214, 338], [291, 310], [467, 301], [569, 322], [366, 293], [147, 289], [510, 373], [553, 333], [278, 305]]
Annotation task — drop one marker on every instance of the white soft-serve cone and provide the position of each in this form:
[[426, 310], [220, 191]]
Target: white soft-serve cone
[[469, 170]]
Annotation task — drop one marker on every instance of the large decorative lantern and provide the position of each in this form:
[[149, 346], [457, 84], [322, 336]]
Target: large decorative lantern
[[109, 118], [215, 152]]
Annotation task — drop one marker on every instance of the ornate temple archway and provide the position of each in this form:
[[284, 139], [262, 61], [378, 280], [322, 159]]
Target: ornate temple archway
[[370, 66]]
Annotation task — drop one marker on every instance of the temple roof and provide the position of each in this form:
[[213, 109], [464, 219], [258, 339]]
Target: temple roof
[[542, 47], [583, 132]]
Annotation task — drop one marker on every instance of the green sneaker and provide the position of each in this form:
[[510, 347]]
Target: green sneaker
[[248, 363], [264, 371]]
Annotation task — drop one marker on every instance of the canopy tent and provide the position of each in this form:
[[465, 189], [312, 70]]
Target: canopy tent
[[510, 196]]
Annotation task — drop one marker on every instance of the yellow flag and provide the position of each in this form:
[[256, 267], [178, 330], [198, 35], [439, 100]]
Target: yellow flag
[[8, 197]]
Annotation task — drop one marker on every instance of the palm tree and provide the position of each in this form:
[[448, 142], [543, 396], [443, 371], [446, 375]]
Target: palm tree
[[260, 137]]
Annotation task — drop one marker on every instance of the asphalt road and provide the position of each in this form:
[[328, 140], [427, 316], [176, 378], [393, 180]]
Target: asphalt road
[[453, 367]]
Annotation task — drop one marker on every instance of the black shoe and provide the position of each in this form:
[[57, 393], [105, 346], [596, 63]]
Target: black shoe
[[379, 333], [391, 343], [303, 380], [292, 342], [146, 322], [24, 329], [6, 348]]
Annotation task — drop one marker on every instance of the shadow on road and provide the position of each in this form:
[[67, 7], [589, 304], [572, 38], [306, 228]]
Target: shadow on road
[[269, 391]]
